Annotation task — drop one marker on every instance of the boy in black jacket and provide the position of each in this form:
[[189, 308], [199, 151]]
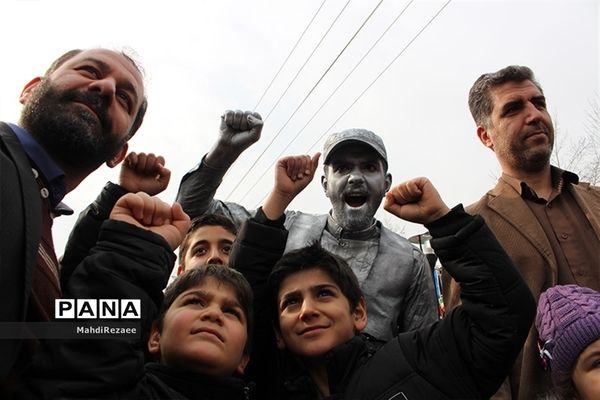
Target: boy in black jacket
[[318, 310], [201, 328]]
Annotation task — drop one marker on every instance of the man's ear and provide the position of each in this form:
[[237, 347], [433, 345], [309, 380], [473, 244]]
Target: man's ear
[[242, 365], [359, 315], [388, 182], [28, 88], [324, 184], [154, 340], [484, 137], [120, 156]]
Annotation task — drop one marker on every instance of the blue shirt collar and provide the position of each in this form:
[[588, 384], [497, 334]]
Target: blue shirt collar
[[52, 175]]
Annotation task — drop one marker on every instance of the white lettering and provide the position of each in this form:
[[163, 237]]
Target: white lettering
[[97, 309], [131, 309]]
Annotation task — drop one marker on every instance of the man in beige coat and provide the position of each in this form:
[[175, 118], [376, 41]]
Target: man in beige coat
[[548, 222]]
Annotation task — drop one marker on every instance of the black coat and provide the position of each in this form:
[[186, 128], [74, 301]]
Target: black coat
[[20, 234], [464, 356]]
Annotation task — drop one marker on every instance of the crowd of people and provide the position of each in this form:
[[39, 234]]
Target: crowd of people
[[272, 303]]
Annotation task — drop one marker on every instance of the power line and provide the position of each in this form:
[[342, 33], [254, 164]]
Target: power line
[[375, 80], [307, 60], [328, 98], [289, 55], [308, 94], [379, 75], [280, 97]]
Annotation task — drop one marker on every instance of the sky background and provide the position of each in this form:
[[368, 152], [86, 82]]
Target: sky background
[[202, 58]]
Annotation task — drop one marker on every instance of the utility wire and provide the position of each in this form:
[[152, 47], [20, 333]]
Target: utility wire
[[288, 56], [381, 73], [328, 98], [374, 80], [285, 61], [307, 60], [280, 97], [308, 94]]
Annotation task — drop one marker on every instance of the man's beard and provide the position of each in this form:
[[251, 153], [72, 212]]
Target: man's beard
[[354, 219], [71, 134], [532, 159]]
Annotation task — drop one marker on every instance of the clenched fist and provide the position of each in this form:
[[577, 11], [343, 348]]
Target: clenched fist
[[153, 214]]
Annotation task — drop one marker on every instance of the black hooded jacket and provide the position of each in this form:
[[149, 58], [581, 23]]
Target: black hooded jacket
[[464, 356]]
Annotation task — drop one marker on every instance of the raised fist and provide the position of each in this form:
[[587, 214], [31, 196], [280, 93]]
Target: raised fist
[[416, 200], [153, 214], [238, 131], [141, 172]]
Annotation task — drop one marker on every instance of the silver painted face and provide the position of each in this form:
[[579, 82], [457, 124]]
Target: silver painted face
[[355, 182]]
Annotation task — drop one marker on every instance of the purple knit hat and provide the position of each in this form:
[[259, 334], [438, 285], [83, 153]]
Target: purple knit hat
[[567, 320]]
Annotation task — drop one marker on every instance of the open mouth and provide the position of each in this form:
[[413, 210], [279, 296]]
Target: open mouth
[[355, 200]]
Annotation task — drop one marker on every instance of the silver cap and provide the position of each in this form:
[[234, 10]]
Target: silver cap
[[357, 135]]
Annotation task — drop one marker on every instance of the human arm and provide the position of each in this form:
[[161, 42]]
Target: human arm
[[132, 259], [417, 201], [259, 245], [471, 350], [238, 131], [261, 239], [139, 172]]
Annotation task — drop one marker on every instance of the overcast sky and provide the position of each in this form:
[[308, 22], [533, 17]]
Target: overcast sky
[[202, 58]]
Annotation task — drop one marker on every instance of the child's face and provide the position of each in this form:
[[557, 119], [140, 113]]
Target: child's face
[[314, 314], [586, 374], [204, 330], [209, 244]]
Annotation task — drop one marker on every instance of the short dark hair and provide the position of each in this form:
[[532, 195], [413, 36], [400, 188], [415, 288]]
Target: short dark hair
[[480, 101], [315, 256], [195, 277], [139, 118], [205, 220]]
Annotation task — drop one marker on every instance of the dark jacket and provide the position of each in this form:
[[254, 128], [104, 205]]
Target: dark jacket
[[20, 234], [85, 232], [464, 356], [126, 263]]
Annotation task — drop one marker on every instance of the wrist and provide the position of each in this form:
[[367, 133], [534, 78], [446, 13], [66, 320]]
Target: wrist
[[276, 204], [262, 219], [127, 188], [123, 217], [221, 156], [439, 214]]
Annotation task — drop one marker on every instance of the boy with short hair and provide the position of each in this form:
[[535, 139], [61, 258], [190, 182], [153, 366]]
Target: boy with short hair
[[203, 327], [200, 335], [318, 309], [208, 241]]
